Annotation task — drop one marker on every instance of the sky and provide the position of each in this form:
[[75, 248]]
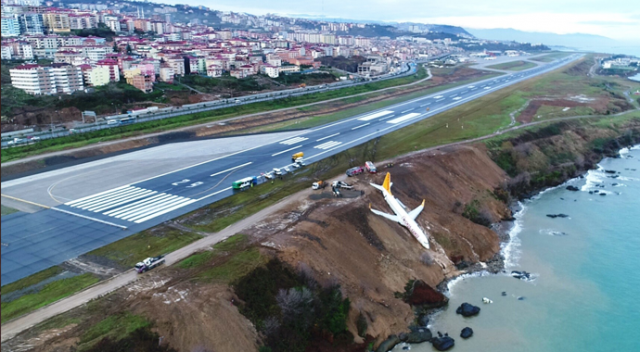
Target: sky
[[616, 19]]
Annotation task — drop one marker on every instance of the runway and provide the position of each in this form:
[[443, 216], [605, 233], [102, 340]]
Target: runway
[[80, 221]]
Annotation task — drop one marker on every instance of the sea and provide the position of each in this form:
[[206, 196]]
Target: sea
[[584, 291], [635, 78]]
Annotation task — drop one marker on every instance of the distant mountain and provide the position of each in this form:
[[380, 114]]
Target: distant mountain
[[579, 41]]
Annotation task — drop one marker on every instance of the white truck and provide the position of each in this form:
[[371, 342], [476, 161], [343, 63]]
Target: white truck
[[341, 184], [149, 264]]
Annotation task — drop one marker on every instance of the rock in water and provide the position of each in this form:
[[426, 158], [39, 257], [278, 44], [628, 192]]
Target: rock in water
[[419, 335], [573, 188], [468, 310], [443, 343], [423, 320], [504, 294], [522, 275], [466, 333], [388, 344]]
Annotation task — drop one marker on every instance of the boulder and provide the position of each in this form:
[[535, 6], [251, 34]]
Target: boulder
[[553, 216], [521, 298], [444, 343], [610, 171], [573, 188], [468, 310], [603, 194], [522, 275], [466, 333], [388, 344], [426, 296], [419, 335], [504, 294], [423, 320]]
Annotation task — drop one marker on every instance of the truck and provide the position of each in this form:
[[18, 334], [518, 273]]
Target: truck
[[371, 168], [296, 156], [341, 184], [149, 264], [319, 185], [355, 171], [245, 183]]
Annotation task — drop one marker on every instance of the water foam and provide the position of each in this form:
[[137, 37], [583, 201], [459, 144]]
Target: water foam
[[511, 249]]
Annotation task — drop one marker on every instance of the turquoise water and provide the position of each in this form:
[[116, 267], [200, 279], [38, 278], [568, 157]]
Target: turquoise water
[[586, 291]]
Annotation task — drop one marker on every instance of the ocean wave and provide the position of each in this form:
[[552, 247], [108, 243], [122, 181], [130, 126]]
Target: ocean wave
[[511, 249], [593, 178], [552, 232], [451, 284]]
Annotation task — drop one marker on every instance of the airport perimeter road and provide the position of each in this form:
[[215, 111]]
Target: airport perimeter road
[[33, 242]]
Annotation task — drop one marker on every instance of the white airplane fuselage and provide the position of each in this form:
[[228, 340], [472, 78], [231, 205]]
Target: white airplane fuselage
[[405, 220], [401, 216]]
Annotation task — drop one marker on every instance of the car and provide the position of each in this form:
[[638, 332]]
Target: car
[[33, 138], [355, 171]]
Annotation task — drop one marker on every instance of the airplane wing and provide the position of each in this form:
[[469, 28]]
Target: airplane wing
[[415, 212], [388, 216], [402, 204]]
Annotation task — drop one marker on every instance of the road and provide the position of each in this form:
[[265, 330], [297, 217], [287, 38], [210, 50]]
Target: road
[[18, 325], [40, 240]]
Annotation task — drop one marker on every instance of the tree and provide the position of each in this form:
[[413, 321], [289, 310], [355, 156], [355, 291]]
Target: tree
[[129, 50], [115, 47]]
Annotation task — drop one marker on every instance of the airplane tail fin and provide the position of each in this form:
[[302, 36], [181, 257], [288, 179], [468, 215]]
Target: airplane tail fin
[[387, 183]]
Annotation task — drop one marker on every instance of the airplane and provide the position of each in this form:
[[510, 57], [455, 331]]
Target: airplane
[[405, 219]]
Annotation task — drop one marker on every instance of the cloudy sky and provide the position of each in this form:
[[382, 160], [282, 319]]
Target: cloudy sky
[[617, 19]]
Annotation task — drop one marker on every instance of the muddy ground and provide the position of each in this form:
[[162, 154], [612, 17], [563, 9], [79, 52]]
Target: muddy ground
[[338, 240]]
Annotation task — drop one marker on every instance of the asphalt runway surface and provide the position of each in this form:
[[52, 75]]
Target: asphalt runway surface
[[131, 207]]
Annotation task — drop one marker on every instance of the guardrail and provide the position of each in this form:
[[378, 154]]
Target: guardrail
[[407, 68]]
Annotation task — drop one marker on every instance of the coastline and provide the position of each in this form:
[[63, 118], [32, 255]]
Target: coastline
[[508, 231]]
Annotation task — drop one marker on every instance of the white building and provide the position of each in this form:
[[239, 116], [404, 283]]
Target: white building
[[10, 26], [46, 80], [7, 52], [214, 71]]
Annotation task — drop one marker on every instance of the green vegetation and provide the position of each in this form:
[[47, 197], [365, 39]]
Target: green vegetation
[[142, 339], [149, 243], [7, 210], [81, 139], [473, 212], [50, 293], [292, 309], [101, 31], [236, 266], [32, 279], [231, 244], [115, 327], [514, 66]]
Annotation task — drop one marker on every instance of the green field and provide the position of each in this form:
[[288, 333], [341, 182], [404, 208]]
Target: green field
[[115, 327], [48, 294], [149, 243], [82, 139], [32, 279], [514, 66], [7, 210]]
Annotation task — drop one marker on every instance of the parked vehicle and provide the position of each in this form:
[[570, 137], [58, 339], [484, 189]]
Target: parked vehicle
[[319, 185], [355, 171], [149, 264], [296, 156], [371, 168], [245, 183], [341, 184]]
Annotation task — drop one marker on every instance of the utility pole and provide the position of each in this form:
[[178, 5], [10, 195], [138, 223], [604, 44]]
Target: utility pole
[[51, 117]]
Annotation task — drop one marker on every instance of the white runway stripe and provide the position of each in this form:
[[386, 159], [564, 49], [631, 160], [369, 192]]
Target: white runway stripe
[[327, 145], [94, 195], [114, 199], [146, 207], [104, 197], [139, 203], [404, 118], [376, 115], [287, 150], [165, 211], [145, 194], [233, 168], [327, 137], [158, 208], [294, 140]]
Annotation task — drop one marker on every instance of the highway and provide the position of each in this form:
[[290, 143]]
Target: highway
[[37, 241]]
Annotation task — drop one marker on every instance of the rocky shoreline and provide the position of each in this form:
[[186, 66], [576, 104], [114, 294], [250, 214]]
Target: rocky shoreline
[[421, 333]]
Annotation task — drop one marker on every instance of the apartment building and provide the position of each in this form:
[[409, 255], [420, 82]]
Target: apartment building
[[143, 82], [31, 23], [114, 70], [10, 26], [95, 76], [166, 73], [46, 80], [57, 22], [82, 21]]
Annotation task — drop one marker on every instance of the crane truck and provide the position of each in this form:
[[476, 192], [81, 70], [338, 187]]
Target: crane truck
[[149, 264]]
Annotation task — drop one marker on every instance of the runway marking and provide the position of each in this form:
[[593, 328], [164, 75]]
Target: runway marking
[[90, 218], [470, 87], [455, 95], [355, 128], [423, 105], [215, 193], [233, 168], [439, 100], [388, 117], [457, 98], [288, 150], [403, 118], [487, 87], [323, 138], [327, 145], [95, 195], [294, 140], [407, 110], [165, 211], [376, 115], [128, 207], [25, 201], [438, 97]]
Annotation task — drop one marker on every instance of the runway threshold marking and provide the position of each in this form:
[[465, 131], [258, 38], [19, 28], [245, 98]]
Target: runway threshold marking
[[323, 138], [287, 150], [233, 168], [403, 118], [376, 115], [25, 201], [90, 218]]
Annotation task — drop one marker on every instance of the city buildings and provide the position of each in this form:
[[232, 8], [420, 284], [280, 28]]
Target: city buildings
[[46, 80]]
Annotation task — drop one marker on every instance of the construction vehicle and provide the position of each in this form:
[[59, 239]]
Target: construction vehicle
[[245, 183], [355, 171], [303, 85], [296, 156], [336, 192], [319, 185], [371, 168], [341, 184], [149, 264]]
